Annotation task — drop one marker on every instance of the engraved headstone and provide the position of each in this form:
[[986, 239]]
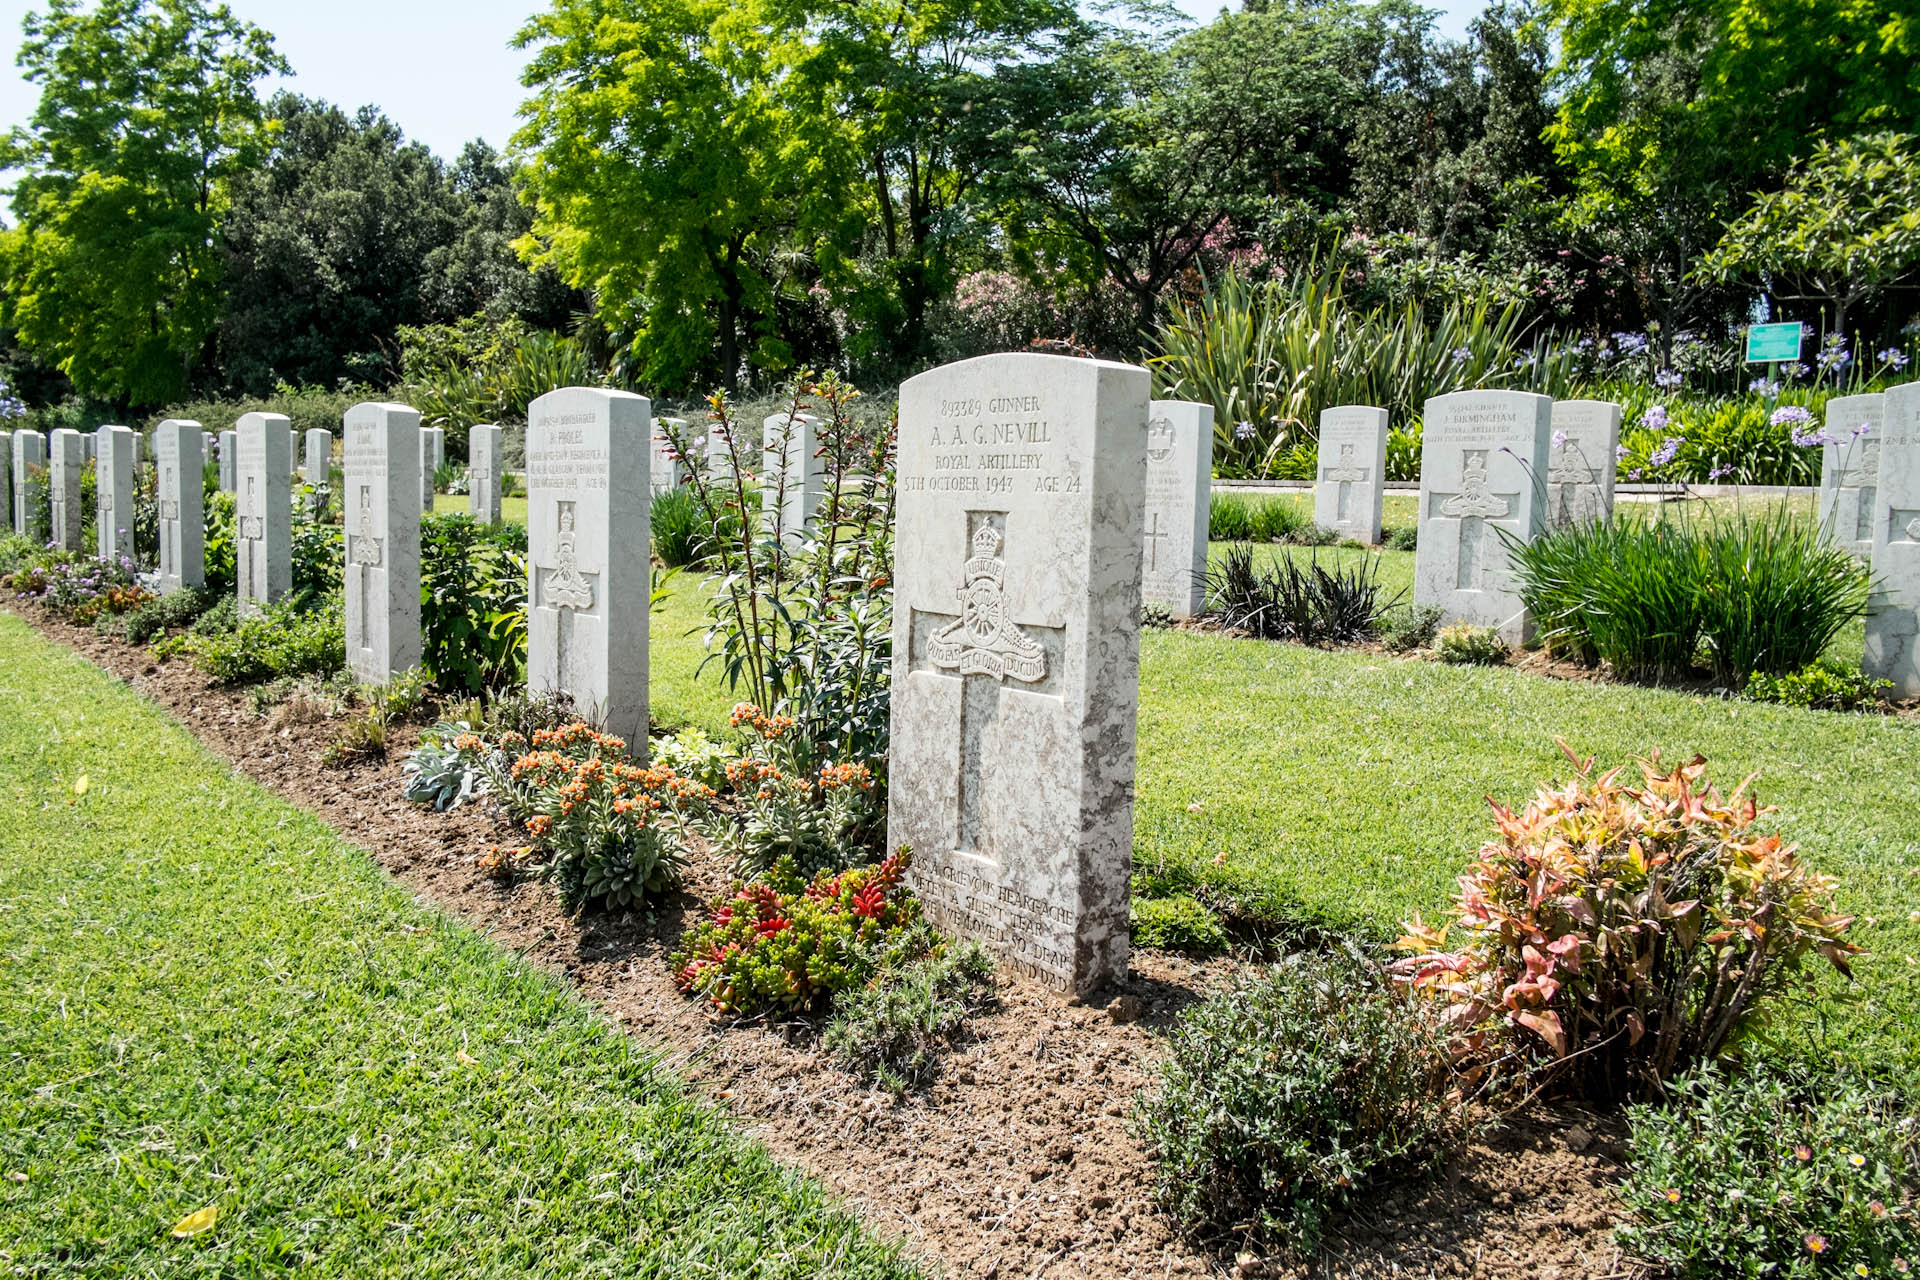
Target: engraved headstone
[[179, 488], [1351, 485], [139, 449], [263, 510], [793, 475], [1016, 654], [1893, 623], [1179, 505], [113, 492], [228, 452], [433, 452], [68, 454], [587, 553], [1482, 471], [1582, 461], [6, 480], [381, 483], [483, 473], [29, 451], [319, 459], [669, 470], [1850, 470]]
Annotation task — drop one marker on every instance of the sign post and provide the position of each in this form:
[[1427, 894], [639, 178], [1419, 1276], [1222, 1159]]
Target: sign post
[[1769, 344]]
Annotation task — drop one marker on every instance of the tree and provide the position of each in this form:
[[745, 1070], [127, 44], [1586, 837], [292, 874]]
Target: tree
[[478, 269], [147, 113], [1846, 225]]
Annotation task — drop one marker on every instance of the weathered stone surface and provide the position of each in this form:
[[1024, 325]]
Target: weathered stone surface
[[1482, 471], [263, 509], [113, 491], [6, 481], [179, 487], [1350, 485], [1850, 470], [381, 492], [433, 452], [483, 473], [1893, 649], [29, 451], [587, 498], [318, 466], [227, 452], [1179, 504], [792, 475], [1582, 461], [1022, 510], [67, 455], [669, 470]]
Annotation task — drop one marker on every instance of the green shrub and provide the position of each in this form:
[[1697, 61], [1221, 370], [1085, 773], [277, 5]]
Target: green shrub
[[473, 592], [308, 407], [1230, 519], [1760, 1175], [1774, 594], [1278, 520], [1285, 601], [1463, 642], [1310, 1085], [1403, 539], [891, 1031], [284, 640], [1409, 626], [1314, 535], [814, 815], [675, 523], [169, 612], [692, 754], [444, 770], [787, 943], [1178, 923], [219, 618], [1619, 932], [1822, 686], [221, 549]]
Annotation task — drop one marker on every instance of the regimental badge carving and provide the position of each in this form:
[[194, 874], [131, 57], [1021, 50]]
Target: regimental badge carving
[[985, 641], [367, 549], [1345, 471], [1160, 439], [1569, 465], [1913, 528], [169, 509], [1869, 472], [1473, 498], [253, 528], [566, 588]]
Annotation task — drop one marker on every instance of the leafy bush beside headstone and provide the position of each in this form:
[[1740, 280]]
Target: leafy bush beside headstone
[[1822, 686], [891, 1031]]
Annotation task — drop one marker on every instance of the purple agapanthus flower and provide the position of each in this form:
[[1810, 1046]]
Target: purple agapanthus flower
[[1764, 387], [1791, 415], [1668, 450], [1667, 380], [1894, 358], [1243, 431], [1655, 418]]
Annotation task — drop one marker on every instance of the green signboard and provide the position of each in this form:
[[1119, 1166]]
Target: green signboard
[[1773, 342]]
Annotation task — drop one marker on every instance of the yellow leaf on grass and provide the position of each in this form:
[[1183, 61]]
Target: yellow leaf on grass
[[464, 1058], [195, 1223], [80, 786]]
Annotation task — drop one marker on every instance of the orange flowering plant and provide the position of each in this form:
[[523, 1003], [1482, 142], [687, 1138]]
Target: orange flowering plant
[[1624, 929], [822, 815]]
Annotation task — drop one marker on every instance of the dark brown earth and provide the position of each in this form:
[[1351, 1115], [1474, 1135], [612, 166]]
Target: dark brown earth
[[1018, 1161]]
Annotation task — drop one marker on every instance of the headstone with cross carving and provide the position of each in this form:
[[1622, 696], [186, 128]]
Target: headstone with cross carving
[[1351, 485], [1893, 621], [483, 473], [587, 553], [669, 469], [318, 467], [179, 490], [1582, 461], [1483, 461], [1850, 470], [228, 453], [67, 456], [793, 476], [380, 480], [29, 452], [113, 492], [263, 510], [1021, 517], [1179, 504]]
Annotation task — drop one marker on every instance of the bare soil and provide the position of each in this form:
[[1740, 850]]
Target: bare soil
[[1018, 1160]]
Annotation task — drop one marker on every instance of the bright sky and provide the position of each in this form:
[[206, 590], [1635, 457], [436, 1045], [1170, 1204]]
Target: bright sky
[[441, 69]]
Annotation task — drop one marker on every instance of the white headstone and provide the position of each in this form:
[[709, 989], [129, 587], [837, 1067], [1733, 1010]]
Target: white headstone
[[587, 553], [1179, 505], [319, 458], [209, 445], [1582, 462], [1351, 485], [1482, 457], [29, 451], [381, 483], [139, 449], [6, 481], [1850, 470], [483, 473], [86, 446], [1893, 626], [263, 509], [669, 470], [68, 455], [793, 476], [113, 492], [228, 450], [1022, 510], [179, 488], [433, 452]]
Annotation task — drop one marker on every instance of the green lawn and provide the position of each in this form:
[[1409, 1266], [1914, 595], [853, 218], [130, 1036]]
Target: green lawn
[[207, 999]]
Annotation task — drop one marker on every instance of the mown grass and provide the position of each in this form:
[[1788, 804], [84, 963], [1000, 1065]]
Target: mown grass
[[207, 999]]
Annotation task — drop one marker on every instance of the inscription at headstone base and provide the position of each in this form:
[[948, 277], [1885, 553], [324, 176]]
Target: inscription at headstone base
[[67, 455], [1021, 523], [588, 486], [1581, 462], [179, 488], [483, 473], [1893, 623], [263, 509], [1850, 470], [1482, 473], [1349, 490], [113, 491], [1179, 505], [381, 482]]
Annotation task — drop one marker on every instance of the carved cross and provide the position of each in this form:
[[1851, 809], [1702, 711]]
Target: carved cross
[[1155, 536]]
